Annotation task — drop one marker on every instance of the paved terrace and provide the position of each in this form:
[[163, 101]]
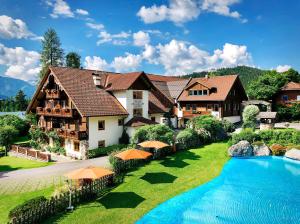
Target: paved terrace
[[38, 178]]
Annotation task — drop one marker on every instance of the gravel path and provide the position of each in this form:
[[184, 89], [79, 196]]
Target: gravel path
[[38, 178]]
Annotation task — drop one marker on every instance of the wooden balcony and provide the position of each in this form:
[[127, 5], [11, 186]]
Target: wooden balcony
[[52, 94], [54, 112], [190, 114], [76, 135]]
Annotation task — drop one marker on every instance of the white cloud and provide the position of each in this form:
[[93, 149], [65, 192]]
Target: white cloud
[[95, 63], [181, 11], [82, 12], [15, 28], [116, 39], [60, 8], [130, 62], [178, 57], [283, 68], [141, 38], [20, 63], [95, 26]]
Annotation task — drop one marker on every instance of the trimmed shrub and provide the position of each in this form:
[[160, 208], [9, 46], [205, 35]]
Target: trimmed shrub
[[26, 206], [104, 151], [249, 116], [209, 123], [246, 134], [159, 132], [204, 135], [124, 139], [187, 139], [228, 126], [283, 137], [278, 150]]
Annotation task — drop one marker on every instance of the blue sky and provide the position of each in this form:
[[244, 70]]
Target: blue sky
[[167, 37]]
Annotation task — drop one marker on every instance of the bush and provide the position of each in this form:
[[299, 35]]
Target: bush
[[288, 113], [209, 123], [38, 137], [7, 135], [124, 139], [159, 132], [246, 134], [93, 153], [187, 139], [249, 116], [19, 124], [204, 136], [228, 126], [283, 137], [278, 150], [26, 206]]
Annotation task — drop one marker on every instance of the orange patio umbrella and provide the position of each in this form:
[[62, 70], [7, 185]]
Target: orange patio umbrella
[[153, 144], [133, 154], [89, 173]]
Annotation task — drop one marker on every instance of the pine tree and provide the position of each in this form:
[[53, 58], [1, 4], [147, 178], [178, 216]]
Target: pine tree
[[52, 53], [73, 60], [20, 101]]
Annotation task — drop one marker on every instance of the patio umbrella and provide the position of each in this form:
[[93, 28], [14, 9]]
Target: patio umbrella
[[89, 173], [133, 154], [153, 144]]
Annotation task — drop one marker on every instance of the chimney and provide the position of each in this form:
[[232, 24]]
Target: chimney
[[96, 79]]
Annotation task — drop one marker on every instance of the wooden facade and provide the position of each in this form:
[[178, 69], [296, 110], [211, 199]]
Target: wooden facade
[[287, 97]]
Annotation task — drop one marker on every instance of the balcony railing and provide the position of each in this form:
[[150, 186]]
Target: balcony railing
[[55, 112], [52, 94], [194, 113], [77, 135]]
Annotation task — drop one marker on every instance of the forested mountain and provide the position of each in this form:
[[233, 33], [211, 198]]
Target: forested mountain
[[247, 74], [10, 86]]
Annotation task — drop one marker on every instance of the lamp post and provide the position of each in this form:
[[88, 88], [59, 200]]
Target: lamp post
[[70, 207]]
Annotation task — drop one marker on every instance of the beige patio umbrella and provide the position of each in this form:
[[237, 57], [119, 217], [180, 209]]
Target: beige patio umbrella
[[89, 173], [133, 154], [153, 144]]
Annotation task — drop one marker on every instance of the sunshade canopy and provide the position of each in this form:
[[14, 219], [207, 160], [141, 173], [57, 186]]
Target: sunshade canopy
[[133, 154], [89, 173], [153, 144]]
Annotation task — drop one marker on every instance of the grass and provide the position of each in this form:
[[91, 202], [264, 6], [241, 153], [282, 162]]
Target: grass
[[8, 202], [9, 163], [150, 185]]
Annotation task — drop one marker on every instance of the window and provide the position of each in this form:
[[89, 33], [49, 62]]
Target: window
[[225, 107], [76, 146], [234, 92], [101, 125], [152, 118], [229, 107], [205, 92], [101, 144], [216, 107], [138, 112], [187, 107], [191, 92], [194, 107], [137, 95], [234, 106], [195, 92], [285, 98], [121, 122], [298, 98]]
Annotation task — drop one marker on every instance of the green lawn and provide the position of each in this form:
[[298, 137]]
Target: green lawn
[[146, 187], [8, 202], [9, 163]]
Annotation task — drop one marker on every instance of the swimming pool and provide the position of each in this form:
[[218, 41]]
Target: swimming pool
[[249, 190]]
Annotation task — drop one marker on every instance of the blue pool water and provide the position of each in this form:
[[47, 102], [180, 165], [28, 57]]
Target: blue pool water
[[249, 190]]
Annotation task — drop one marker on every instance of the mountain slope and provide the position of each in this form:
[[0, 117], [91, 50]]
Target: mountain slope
[[10, 86], [247, 74]]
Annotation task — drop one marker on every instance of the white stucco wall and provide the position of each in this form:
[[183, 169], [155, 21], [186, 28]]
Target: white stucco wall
[[110, 134], [127, 101], [159, 118]]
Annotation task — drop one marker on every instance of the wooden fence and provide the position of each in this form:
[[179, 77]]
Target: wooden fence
[[31, 153], [59, 203]]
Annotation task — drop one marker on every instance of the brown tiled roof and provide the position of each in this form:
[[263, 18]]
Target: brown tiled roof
[[139, 121], [158, 103], [223, 85], [89, 100], [163, 78], [291, 86]]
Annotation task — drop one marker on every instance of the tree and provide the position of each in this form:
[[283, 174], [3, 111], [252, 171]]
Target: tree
[[7, 135], [52, 53], [20, 101], [249, 116], [73, 60]]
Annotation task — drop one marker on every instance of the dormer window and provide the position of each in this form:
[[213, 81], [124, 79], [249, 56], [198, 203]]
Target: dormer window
[[205, 92], [198, 92]]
